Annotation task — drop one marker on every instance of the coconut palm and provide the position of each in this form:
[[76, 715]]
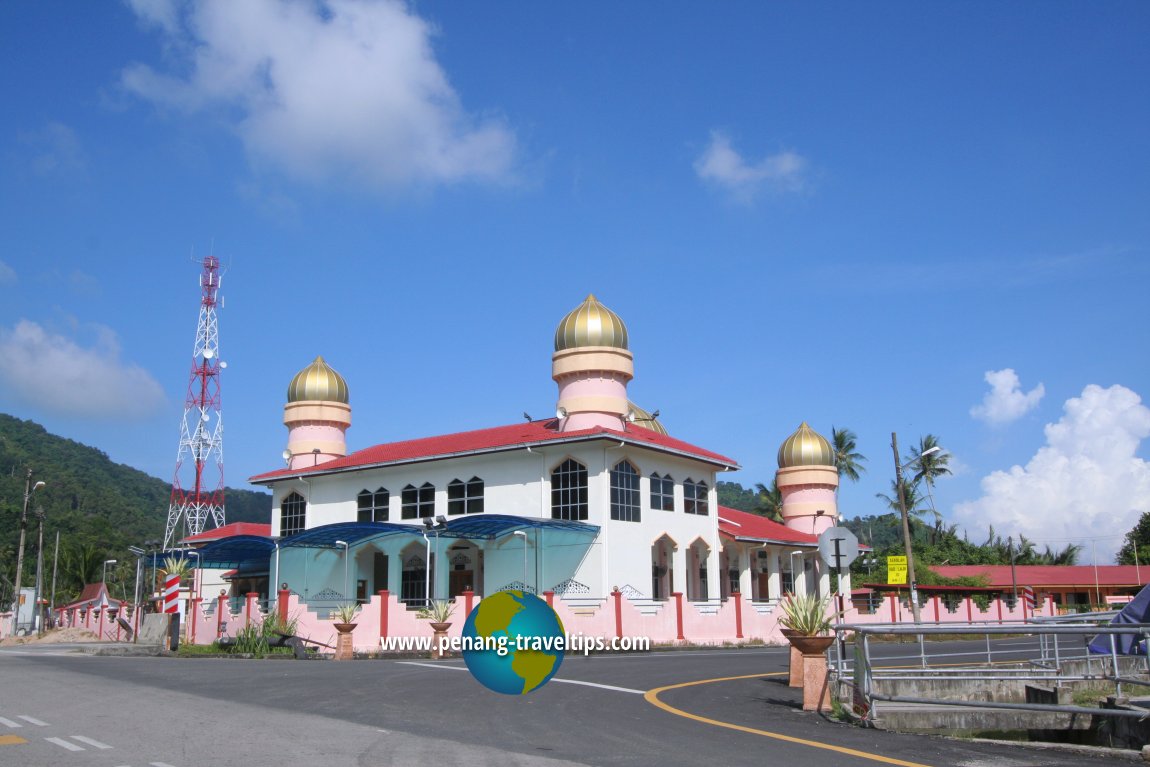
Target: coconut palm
[[847, 460], [769, 502], [916, 506]]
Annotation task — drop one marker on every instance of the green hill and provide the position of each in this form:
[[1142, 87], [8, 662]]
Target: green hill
[[99, 507]]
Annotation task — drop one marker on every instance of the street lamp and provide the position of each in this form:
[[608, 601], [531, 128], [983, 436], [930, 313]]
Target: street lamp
[[38, 616], [196, 572], [29, 488], [791, 562], [345, 549], [898, 467], [136, 592], [104, 572], [430, 525], [523, 535]]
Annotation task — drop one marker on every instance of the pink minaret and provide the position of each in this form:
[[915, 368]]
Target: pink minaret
[[807, 480], [317, 415], [592, 367]]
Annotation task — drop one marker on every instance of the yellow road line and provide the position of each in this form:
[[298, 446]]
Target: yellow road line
[[11, 740], [652, 697]]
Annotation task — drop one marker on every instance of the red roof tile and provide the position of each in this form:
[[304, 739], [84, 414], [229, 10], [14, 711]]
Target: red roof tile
[[227, 531], [497, 439], [741, 524], [1050, 575]]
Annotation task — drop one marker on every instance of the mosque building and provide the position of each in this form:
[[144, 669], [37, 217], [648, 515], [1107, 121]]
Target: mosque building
[[596, 500]]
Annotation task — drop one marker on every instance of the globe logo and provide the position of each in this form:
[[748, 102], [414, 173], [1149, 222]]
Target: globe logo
[[513, 642]]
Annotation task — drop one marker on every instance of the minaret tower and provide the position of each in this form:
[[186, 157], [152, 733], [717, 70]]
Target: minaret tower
[[317, 415], [592, 367], [807, 480], [202, 428]]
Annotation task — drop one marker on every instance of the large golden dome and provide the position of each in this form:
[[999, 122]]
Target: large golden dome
[[806, 448], [645, 419], [318, 382], [590, 324]]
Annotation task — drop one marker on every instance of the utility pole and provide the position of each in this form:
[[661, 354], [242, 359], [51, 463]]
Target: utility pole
[[905, 531], [38, 620], [28, 490]]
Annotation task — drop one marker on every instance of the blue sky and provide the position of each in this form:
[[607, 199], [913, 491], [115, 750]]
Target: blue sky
[[888, 217]]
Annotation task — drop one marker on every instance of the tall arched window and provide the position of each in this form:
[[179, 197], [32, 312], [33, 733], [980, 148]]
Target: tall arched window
[[694, 497], [625, 492], [465, 497], [569, 491], [662, 492], [372, 507], [293, 514], [418, 501]]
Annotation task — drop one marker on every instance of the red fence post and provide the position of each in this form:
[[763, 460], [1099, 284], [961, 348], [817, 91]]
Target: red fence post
[[678, 595], [969, 611], [550, 597], [468, 601], [738, 614], [999, 601], [282, 602], [250, 604], [618, 613], [384, 596], [936, 614]]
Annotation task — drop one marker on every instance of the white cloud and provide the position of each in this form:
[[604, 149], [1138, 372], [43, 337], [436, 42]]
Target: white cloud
[[7, 275], [338, 89], [58, 375], [720, 164], [1086, 482], [1006, 402]]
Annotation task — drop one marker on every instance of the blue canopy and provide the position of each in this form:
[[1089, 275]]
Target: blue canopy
[[325, 536], [490, 526]]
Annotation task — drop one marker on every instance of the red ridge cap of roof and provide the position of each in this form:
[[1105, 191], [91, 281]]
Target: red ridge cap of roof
[[495, 439], [1049, 575], [743, 524], [229, 530]]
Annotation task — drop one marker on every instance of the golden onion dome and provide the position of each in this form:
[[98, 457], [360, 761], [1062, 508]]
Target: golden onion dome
[[590, 324], [806, 448], [318, 382], [645, 419]]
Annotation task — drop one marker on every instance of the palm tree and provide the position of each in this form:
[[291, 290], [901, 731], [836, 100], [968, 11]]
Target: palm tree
[[915, 508], [847, 461], [770, 501]]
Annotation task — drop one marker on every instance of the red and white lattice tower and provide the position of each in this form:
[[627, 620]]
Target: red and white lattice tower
[[202, 429]]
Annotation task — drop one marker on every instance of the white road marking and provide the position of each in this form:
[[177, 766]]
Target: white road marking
[[556, 679], [64, 744], [159, 764], [10, 723], [90, 742], [600, 686], [33, 720]]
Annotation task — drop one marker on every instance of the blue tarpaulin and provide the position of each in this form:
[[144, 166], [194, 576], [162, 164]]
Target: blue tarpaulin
[[1137, 611]]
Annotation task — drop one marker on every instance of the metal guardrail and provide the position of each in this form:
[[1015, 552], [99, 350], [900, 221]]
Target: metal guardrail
[[1061, 642]]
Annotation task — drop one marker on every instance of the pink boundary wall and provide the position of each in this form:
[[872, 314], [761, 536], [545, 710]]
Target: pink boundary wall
[[675, 621]]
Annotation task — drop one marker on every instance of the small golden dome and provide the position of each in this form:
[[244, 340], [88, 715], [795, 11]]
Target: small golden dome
[[646, 420], [318, 382], [590, 324], [806, 448]]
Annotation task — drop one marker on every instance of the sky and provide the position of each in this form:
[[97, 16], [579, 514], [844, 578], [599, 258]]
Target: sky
[[888, 217]]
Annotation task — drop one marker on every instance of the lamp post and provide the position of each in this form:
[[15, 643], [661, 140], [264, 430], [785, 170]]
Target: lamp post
[[523, 535], [431, 525], [136, 591], [898, 467], [29, 488], [104, 572], [345, 550], [38, 616], [195, 573], [794, 581]]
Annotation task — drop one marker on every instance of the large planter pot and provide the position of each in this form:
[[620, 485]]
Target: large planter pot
[[437, 652], [812, 650], [344, 650], [811, 645]]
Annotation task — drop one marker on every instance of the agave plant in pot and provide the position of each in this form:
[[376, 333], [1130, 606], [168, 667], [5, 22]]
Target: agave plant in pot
[[344, 617], [807, 626], [439, 611]]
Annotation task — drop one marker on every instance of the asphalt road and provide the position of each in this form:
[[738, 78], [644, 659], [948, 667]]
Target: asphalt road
[[59, 708]]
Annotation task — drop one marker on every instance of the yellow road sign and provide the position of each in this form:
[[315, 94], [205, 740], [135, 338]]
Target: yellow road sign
[[896, 570]]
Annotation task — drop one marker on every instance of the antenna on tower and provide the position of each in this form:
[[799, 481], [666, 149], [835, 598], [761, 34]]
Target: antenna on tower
[[202, 427]]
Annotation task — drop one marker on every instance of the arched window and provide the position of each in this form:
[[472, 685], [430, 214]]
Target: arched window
[[293, 514], [694, 497], [662, 492], [372, 507], [418, 501], [625, 492], [569, 491], [465, 497]]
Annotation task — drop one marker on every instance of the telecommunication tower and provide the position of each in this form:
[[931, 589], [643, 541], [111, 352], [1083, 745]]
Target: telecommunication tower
[[202, 428]]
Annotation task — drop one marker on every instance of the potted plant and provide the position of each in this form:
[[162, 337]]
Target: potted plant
[[439, 611], [344, 617], [808, 628]]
